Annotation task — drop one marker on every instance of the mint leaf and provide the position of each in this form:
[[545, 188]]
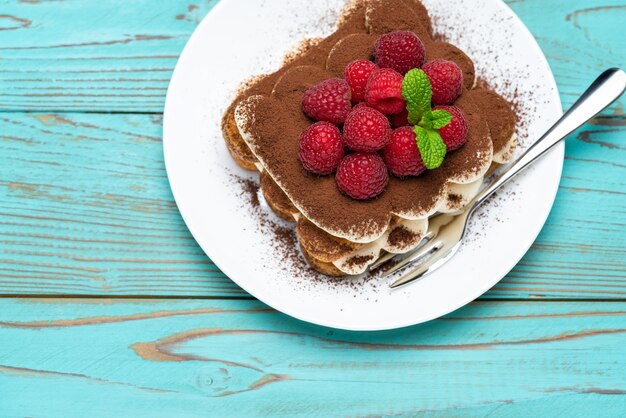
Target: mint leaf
[[431, 147], [421, 134], [435, 119], [415, 114], [440, 118], [418, 94]]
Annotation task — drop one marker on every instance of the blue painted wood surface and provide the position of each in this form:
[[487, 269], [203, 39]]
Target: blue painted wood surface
[[85, 210], [96, 55], [239, 358]]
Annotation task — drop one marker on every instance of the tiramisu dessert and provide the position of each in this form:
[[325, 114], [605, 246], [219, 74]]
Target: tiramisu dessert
[[361, 136]]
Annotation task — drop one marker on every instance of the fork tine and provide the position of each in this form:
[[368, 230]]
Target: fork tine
[[382, 260], [415, 256], [427, 266]]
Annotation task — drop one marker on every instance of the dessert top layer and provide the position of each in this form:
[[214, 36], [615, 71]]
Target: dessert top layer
[[270, 119]]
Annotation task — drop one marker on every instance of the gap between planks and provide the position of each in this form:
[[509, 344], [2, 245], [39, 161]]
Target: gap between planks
[[249, 297]]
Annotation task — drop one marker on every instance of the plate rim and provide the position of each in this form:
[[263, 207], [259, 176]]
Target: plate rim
[[472, 296]]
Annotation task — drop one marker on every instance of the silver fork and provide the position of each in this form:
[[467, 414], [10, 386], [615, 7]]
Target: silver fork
[[445, 233]]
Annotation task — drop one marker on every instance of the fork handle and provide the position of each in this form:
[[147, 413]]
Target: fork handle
[[604, 91]]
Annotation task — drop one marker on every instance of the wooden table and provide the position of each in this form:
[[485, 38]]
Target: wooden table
[[109, 308]]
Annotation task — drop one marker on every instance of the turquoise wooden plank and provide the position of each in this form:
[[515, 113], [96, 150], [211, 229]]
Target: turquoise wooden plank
[[85, 208], [68, 357], [92, 55], [96, 55]]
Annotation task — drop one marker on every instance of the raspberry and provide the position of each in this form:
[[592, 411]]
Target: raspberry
[[384, 91], [366, 130], [402, 155], [328, 101], [454, 134], [356, 74], [362, 176], [321, 148], [446, 79], [400, 51], [399, 120]]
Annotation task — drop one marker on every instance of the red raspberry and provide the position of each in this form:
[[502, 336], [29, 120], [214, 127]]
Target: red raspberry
[[402, 155], [366, 130], [400, 51], [454, 134], [328, 101], [362, 176], [384, 91], [399, 120], [356, 74], [321, 148], [446, 79]]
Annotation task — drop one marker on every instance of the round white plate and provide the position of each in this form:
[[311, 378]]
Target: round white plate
[[233, 43]]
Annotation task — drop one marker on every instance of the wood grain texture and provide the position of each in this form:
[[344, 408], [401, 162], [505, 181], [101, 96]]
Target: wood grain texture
[[85, 208], [98, 56], [219, 358]]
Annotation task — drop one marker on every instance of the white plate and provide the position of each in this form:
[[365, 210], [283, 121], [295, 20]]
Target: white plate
[[233, 43]]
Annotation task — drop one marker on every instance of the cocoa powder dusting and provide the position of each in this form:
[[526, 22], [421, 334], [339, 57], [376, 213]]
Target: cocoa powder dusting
[[499, 115], [524, 102], [353, 47], [252, 190], [358, 260], [276, 128], [283, 238], [401, 236], [455, 200], [249, 190]]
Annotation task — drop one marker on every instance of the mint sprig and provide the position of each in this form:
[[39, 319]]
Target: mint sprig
[[431, 147], [418, 93]]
